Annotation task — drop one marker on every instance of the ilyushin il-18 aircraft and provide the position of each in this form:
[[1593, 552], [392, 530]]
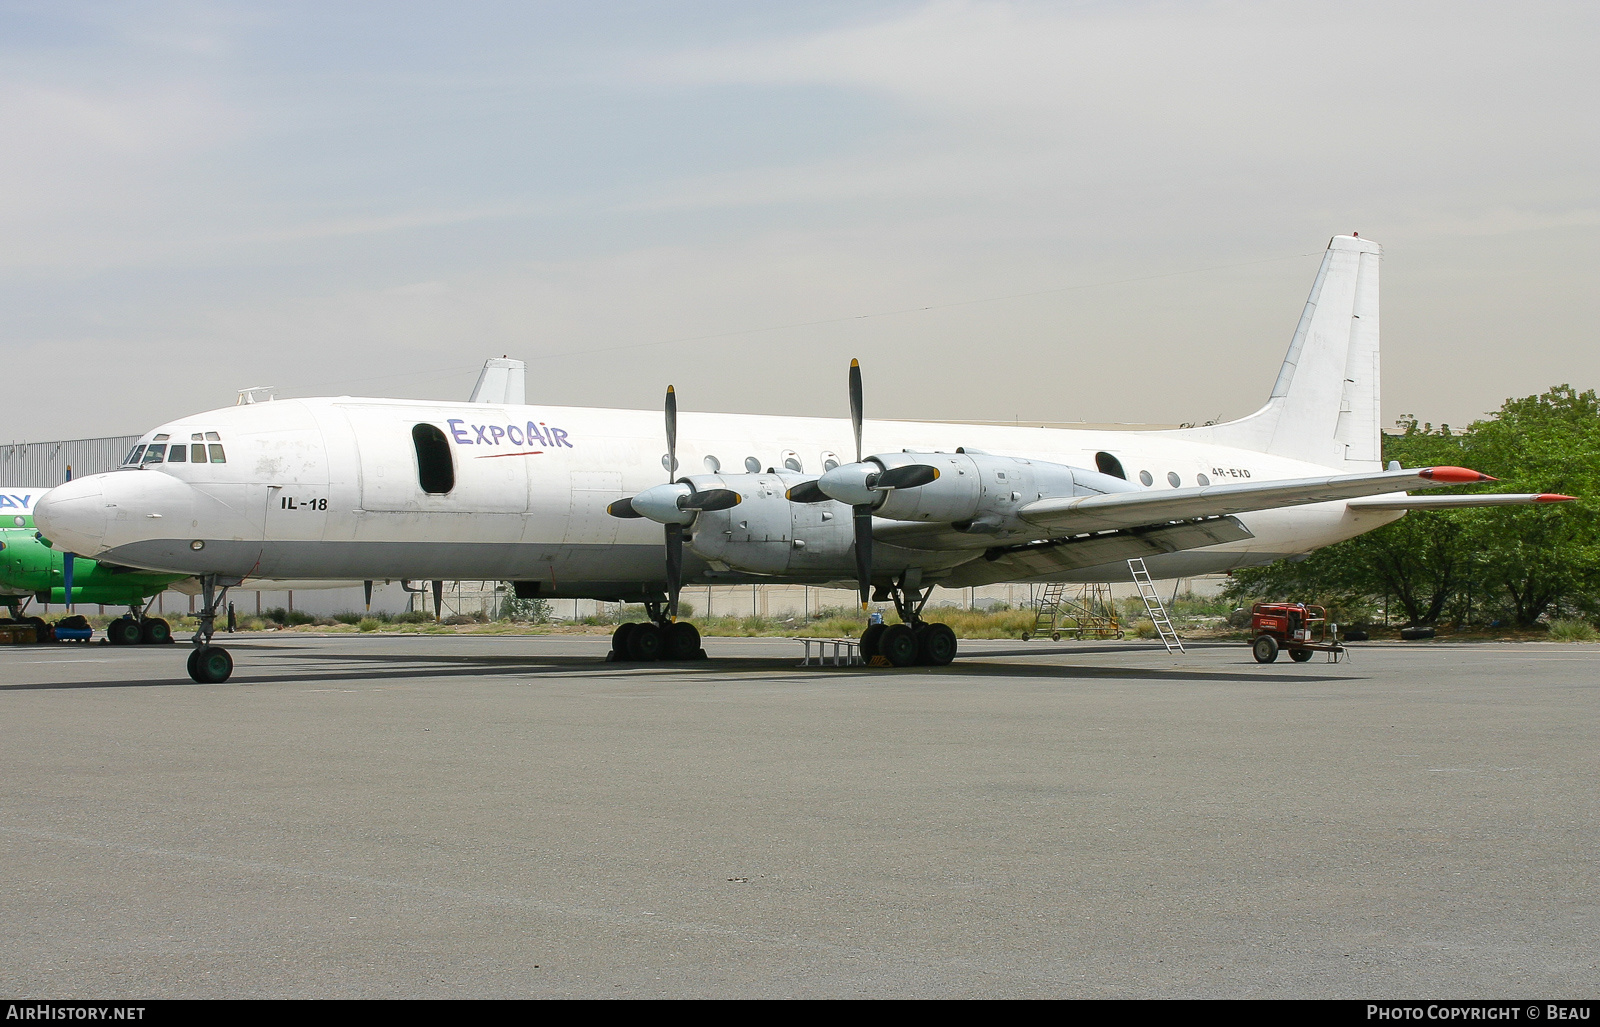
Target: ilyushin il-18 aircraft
[[571, 502]]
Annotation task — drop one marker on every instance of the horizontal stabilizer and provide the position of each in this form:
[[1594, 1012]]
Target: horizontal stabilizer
[[1456, 502], [1071, 515]]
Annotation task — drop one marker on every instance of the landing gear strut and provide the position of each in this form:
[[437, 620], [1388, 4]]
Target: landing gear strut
[[210, 664], [914, 640], [659, 638]]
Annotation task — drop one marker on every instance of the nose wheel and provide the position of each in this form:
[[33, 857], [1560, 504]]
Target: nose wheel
[[210, 664]]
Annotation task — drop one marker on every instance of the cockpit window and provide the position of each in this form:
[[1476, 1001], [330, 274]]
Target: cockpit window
[[436, 471], [177, 454], [197, 453], [217, 456], [154, 454], [133, 458], [212, 436]]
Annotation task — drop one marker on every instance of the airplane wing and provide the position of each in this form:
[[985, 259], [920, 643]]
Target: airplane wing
[[1073, 515]]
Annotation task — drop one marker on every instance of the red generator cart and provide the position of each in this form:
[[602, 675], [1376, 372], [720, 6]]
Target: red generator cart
[[1296, 627]]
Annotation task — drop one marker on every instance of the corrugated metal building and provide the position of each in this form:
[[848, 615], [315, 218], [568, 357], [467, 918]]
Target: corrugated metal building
[[44, 464]]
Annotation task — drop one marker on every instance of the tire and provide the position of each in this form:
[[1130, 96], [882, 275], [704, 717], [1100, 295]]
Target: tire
[[155, 631], [1265, 649], [1026, 636], [682, 642], [619, 640], [870, 639], [645, 643], [210, 665], [899, 644], [1299, 655], [938, 645], [1055, 636], [123, 631]]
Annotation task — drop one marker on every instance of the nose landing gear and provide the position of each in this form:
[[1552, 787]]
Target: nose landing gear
[[210, 664]]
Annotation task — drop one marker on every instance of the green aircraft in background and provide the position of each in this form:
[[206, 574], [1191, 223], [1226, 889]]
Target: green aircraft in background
[[31, 570]]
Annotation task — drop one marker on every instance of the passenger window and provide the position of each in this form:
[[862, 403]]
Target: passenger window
[[752, 465], [1173, 479], [217, 455], [1202, 479], [1105, 463], [830, 460], [155, 454], [791, 460], [133, 458], [713, 464], [178, 455], [197, 453], [1145, 479], [436, 471]]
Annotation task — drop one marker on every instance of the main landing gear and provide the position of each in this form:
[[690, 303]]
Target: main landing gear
[[210, 664], [914, 642], [134, 628], [656, 639]]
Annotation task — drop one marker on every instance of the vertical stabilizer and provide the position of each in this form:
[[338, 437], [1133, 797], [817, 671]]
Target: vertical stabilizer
[[502, 380], [1324, 405]]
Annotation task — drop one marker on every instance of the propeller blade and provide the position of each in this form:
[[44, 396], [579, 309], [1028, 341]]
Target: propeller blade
[[863, 527], [672, 433], [711, 500], [807, 492], [66, 565], [855, 404], [908, 477], [674, 568], [623, 508]]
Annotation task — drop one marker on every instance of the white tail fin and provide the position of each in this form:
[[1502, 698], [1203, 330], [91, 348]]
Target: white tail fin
[[1324, 406], [501, 381]]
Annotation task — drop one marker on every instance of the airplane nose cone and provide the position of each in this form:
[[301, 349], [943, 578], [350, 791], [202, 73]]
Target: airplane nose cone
[[73, 516]]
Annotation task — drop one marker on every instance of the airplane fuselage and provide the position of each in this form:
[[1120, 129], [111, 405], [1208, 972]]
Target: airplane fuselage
[[351, 488]]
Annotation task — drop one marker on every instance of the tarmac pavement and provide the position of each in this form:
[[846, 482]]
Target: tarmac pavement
[[509, 816]]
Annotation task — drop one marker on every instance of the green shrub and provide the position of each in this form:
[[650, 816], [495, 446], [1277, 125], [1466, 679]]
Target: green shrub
[[348, 617], [1573, 631], [368, 624]]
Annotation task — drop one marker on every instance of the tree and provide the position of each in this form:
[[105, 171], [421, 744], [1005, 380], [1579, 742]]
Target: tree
[[1524, 559]]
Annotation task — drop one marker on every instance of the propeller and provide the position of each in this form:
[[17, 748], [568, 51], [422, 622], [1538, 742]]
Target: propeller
[[862, 486], [673, 505]]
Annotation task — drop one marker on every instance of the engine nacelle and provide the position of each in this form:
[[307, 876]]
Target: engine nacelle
[[767, 534], [981, 492]]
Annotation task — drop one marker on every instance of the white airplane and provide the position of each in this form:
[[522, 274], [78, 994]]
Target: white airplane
[[572, 502]]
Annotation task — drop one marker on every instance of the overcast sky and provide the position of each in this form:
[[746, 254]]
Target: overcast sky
[[1051, 211]]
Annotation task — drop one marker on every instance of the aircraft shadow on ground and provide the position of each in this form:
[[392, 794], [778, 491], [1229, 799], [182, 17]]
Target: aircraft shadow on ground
[[377, 668]]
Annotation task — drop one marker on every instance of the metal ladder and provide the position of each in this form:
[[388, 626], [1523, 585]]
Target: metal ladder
[[1049, 611], [1152, 605]]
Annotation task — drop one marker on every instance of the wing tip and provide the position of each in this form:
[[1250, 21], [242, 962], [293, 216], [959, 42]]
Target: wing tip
[[1454, 475], [1553, 497]]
